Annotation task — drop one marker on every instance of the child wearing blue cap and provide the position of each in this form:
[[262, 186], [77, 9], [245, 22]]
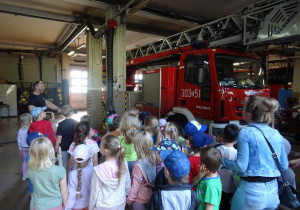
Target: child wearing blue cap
[[193, 127], [198, 141], [190, 129], [209, 186], [178, 194], [41, 125], [166, 144]]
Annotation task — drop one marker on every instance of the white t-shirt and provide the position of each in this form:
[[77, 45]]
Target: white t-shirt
[[226, 175], [92, 145]]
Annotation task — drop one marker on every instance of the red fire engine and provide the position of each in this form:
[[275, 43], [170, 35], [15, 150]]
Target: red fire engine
[[211, 85]]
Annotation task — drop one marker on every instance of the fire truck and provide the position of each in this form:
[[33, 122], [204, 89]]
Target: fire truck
[[195, 74]]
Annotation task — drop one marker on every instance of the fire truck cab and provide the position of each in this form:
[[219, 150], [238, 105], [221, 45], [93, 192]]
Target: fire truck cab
[[209, 85]]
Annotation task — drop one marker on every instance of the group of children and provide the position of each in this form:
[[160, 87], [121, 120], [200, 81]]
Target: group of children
[[146, 167]]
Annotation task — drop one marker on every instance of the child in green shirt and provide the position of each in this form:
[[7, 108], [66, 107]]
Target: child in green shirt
[[209, 186]]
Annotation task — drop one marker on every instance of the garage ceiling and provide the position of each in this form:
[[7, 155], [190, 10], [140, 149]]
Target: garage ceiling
[[42, 24]]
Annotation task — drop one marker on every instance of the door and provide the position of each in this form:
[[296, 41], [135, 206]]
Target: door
[[195, 85]]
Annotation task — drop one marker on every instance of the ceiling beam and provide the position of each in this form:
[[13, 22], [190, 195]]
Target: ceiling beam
[[149, 30], [90, 3], [36, 13], [15, 44]]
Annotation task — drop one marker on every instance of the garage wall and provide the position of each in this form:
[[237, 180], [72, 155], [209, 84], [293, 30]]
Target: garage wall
[[9, 68]]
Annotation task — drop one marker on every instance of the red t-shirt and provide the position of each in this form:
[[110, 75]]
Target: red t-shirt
[[44, 127], [195, 162]]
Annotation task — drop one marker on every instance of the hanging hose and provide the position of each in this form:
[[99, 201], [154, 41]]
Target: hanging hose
[[109, 70], [40, 56], [20, 71]]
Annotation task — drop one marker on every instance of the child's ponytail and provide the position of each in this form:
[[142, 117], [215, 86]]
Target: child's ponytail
[[82, 130], [79, 184], [142, 143], [151, 126], [158, 135], [80, 166], [121, 162], [171, 130]]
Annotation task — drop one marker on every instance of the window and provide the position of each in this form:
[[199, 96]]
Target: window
[[239, 72], [197, 70], [78, 81]]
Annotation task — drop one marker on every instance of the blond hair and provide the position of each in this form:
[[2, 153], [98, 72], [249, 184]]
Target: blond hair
[[135, 111], [151, 126], [25, 119], [142, 143], [261, 108], [66, 110], [171, 130], [129, 126], [113, 145], [41, 153]]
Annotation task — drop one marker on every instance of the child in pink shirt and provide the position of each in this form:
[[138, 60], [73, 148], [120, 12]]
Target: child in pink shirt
[[111, 180]]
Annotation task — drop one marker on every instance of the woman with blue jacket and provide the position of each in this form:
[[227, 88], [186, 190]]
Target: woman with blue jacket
[[255, 165]]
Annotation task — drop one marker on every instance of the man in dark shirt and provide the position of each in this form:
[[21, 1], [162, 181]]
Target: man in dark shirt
[[38, 98]]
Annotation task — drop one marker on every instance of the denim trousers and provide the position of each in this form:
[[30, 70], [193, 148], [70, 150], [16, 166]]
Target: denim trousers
[[65, 158], [130, 167], [256, 196]]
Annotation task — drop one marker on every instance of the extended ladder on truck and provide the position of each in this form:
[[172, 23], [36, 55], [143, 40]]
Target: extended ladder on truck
[[208, 84], [260, 24]]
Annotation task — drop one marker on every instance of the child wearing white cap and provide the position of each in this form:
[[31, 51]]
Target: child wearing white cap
[[79, 184]]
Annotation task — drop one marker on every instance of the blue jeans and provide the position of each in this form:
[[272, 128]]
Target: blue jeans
[[65, 158], [256, 196], [130, 167]]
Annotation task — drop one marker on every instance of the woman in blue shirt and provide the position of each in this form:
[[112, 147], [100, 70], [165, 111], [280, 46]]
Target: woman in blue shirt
[[255, 165]]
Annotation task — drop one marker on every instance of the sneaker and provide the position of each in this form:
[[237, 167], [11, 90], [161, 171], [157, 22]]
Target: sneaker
[[23, 178]]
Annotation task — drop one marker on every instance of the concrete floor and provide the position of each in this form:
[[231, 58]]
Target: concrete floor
[[14, 194]]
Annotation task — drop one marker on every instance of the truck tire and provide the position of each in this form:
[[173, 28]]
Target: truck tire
[[180, 121]]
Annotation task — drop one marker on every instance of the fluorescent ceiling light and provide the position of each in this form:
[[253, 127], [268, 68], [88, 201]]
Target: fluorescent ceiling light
[[71, 53], [81, 46]]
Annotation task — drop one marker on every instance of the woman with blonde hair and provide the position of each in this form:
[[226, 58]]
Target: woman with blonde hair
[[151, 126], [129, 126], [143, 173], [48, 180], [255, 164], [111, 180]]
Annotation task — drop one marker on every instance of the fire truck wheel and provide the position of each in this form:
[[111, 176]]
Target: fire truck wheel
[[180, 121]]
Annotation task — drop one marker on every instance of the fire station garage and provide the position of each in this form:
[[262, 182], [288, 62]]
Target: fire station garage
[[179, 61]]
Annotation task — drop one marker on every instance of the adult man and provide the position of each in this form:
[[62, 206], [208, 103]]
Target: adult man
[[38, 98]]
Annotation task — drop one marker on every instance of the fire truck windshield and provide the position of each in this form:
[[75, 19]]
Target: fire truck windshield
[[239, 72]]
